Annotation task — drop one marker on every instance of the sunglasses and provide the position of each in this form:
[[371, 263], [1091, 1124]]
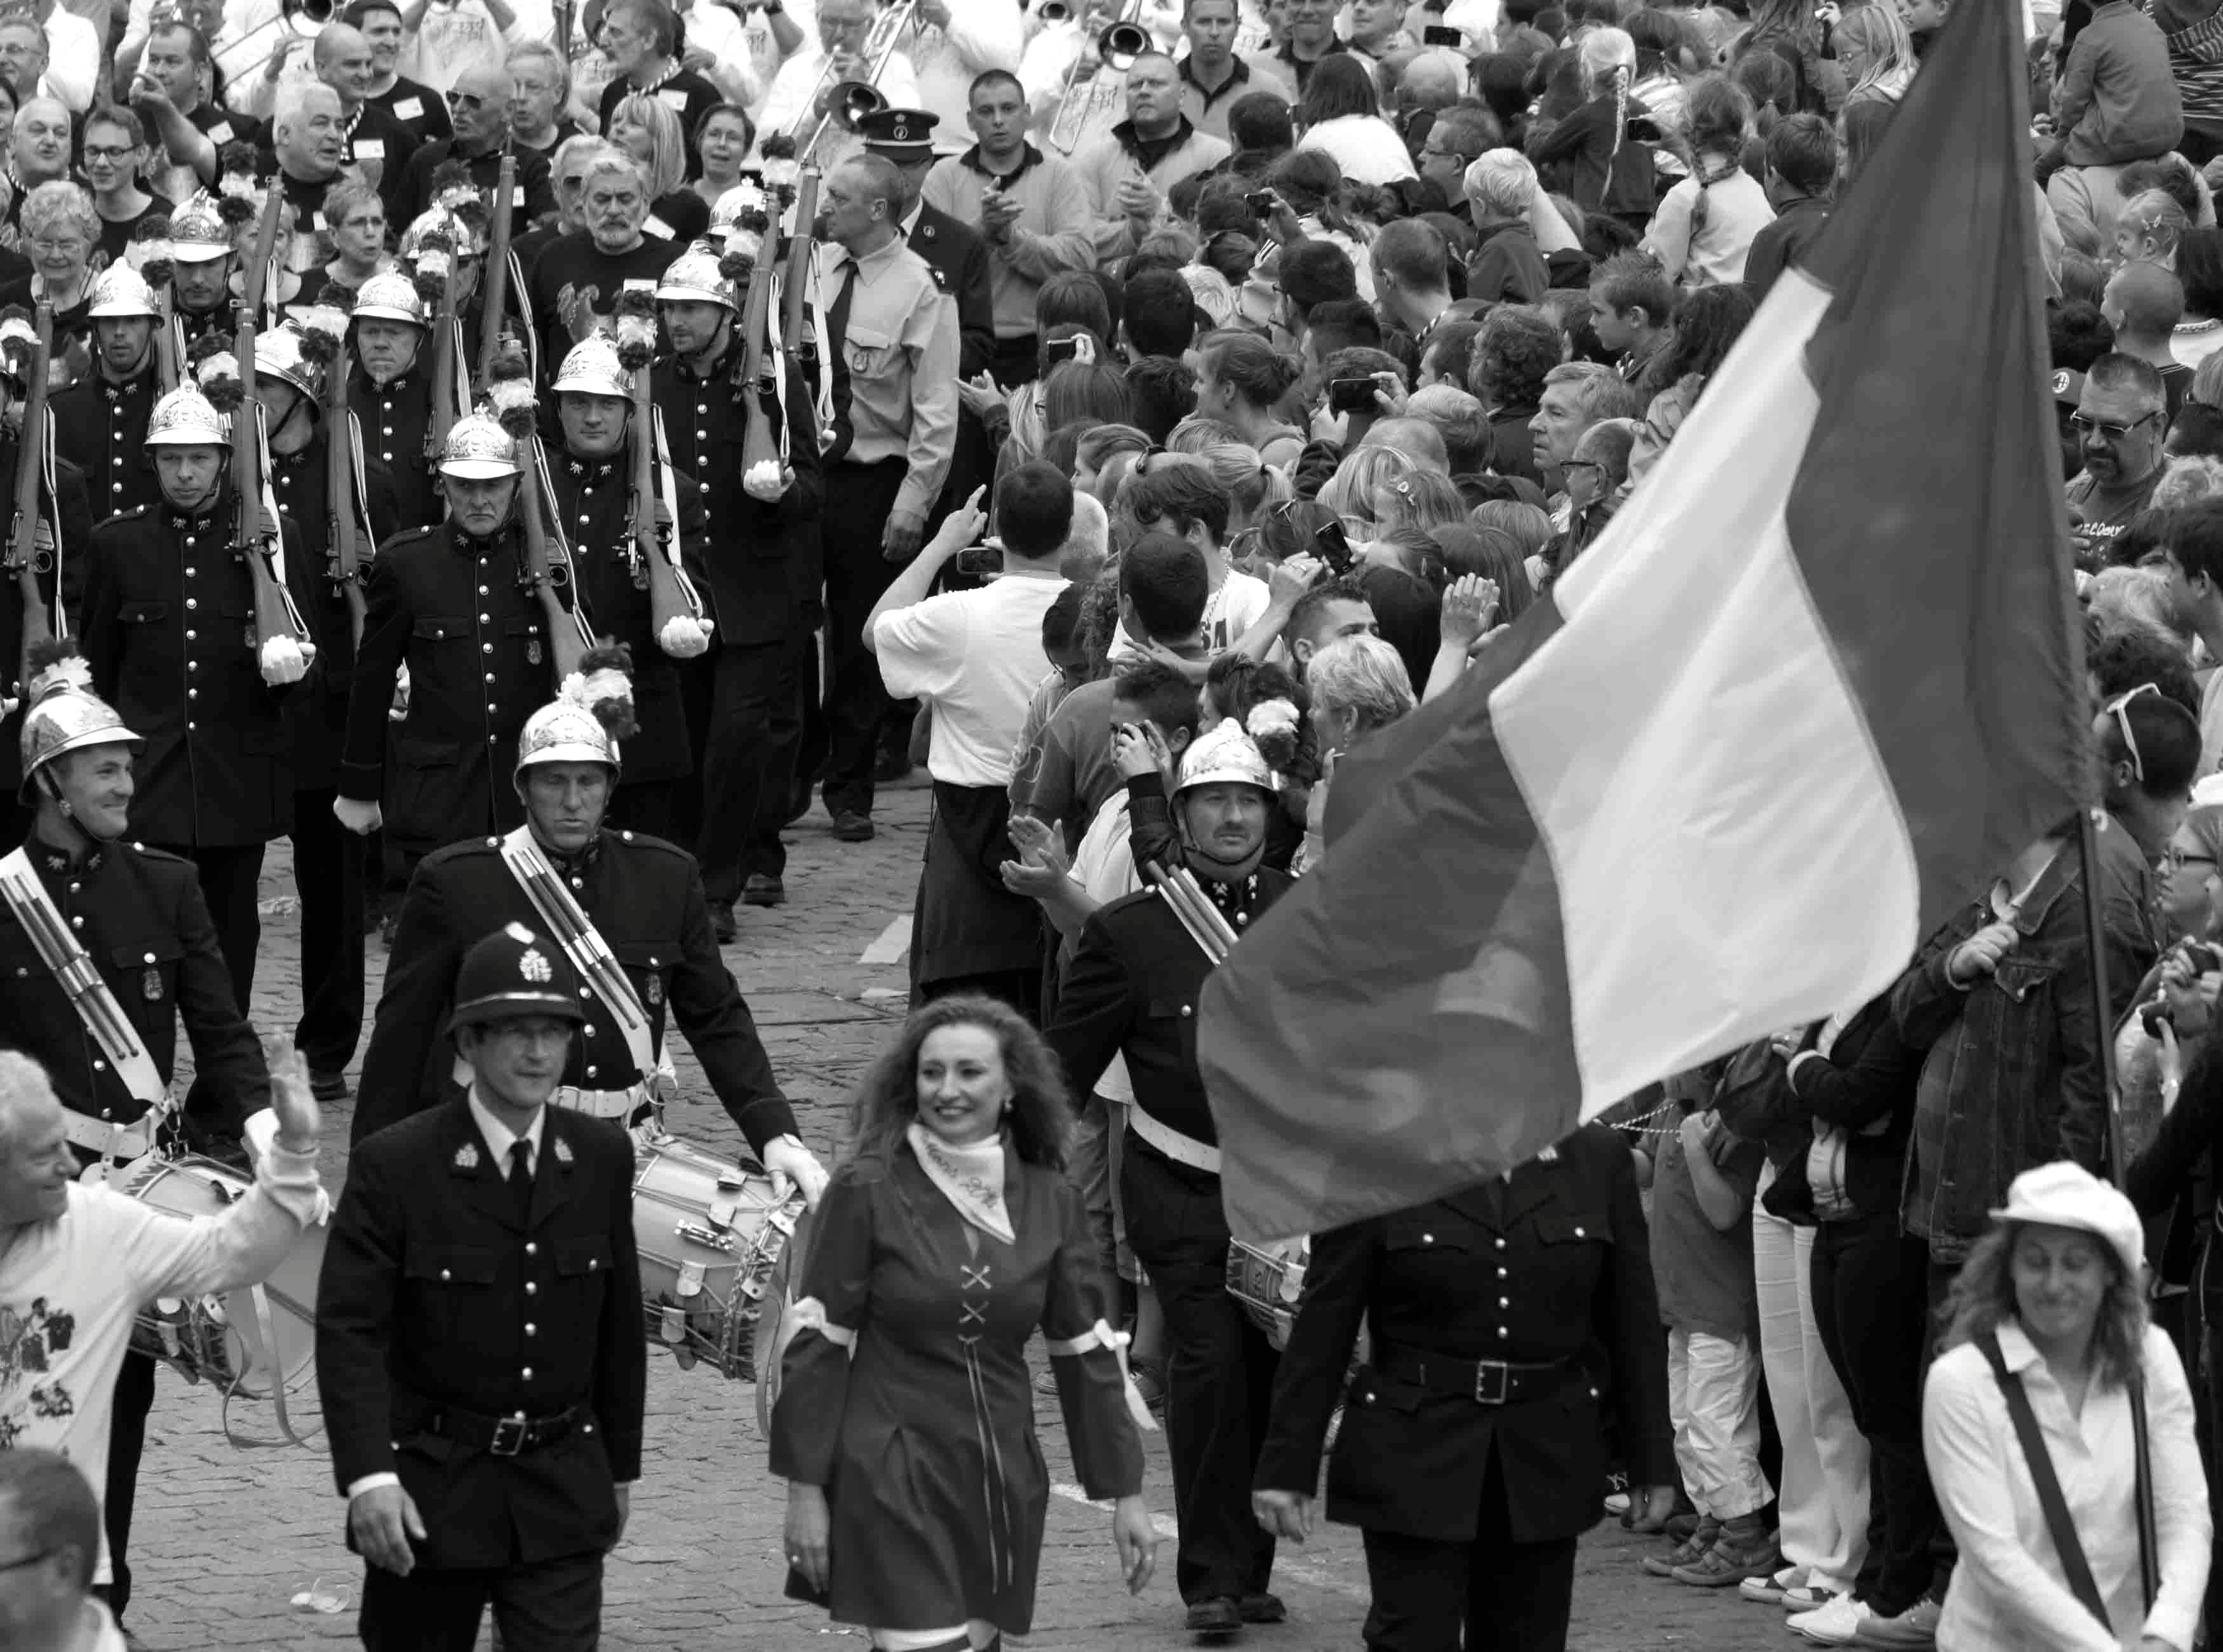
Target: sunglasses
[[2084, 426], [2116, 710]]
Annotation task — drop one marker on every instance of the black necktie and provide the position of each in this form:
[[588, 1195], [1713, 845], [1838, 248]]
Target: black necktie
[[837, 313], [520, 1174]]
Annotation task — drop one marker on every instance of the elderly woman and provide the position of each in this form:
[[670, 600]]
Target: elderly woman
[[2048, 1351], [649, 132], [354, 220], [1357, 684], [59, 231], [916, 1493]]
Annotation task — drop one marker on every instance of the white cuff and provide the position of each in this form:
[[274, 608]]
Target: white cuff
[[809, 1314], [371, 1483]]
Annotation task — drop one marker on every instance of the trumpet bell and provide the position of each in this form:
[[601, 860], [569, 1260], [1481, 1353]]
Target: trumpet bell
[[306, 16], [1053, 11], [1121, 43], [850, 101]]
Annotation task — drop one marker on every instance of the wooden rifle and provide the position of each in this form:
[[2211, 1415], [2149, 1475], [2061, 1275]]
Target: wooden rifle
[[25, 560], [277, 622], [675, 608], [547, 569], [339, 491], [494, 287], [443, 418]]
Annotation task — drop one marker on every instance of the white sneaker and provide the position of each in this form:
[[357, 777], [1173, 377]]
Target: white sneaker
[[1833, 1624], [1770, 1590]]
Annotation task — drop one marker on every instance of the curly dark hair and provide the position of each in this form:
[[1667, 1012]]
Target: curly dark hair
[[1517, 346], [1708, 321], [1038, 1117]]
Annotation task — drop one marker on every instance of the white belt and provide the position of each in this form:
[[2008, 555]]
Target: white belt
[[107, 1140], [1181, 1150], [601, 1104]]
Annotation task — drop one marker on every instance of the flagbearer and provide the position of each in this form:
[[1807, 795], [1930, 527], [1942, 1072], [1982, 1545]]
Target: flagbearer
[[479, 1345], [1131, 992], [641, 902], [77, 896]]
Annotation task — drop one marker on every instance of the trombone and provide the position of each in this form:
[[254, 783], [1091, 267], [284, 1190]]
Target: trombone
[[1118, 43], [848, 102]]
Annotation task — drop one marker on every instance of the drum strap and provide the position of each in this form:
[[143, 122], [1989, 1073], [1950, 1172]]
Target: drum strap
[[81, 982], [583, 944]]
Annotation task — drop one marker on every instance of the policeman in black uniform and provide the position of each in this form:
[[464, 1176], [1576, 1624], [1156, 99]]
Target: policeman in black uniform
[[390, 391], [592, 477], [450, 603], [170, 630], [100, 422], [761, 578], [139, 914], [1131, 990], [644, 897], [1508, 1320], [479, 1344], [290, 368]]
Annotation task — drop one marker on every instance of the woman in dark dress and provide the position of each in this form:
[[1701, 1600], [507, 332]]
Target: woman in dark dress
[[904, 1425]]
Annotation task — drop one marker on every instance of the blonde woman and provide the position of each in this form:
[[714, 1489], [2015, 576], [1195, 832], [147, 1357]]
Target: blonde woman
[[649, 132], [1358, 481]]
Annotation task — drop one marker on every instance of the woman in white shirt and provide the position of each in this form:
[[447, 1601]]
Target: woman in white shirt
[[1341, 115], [2057, 1286]]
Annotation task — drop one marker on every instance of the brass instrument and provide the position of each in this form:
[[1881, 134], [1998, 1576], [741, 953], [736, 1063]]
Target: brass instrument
[[24, 559], [848, 102], [1118, 43]]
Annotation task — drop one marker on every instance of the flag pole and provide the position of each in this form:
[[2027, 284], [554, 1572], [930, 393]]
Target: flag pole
[[2087, 853]]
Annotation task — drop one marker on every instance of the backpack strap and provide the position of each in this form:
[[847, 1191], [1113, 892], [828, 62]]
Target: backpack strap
[[2048, 1483]]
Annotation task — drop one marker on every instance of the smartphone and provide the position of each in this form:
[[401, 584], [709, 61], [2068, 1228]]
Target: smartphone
[[1261, 203], [1334, 548], [1060, 349], [1438, 34], [2202, 957], [1350, 395]]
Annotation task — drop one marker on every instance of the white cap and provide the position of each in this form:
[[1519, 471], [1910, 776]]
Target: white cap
[[2066, 1195]]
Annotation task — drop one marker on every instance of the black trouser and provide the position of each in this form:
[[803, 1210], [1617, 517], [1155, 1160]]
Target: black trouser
[[1937, 1284], [230, 879], [646, 806], [1219, 1373], [859, 500], [1870, 1297], [1015, 362], [545, 1606], [327, 860], [1020, 988], [755, 727], [127, 1443], [1505, 1596]]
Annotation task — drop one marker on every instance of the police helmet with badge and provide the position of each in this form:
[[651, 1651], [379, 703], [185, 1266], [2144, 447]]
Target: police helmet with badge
[[514, 973]]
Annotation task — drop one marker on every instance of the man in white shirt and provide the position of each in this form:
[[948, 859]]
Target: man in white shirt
[[975, 656], [49, 1544], [73, 56], [444, 37], [800, 88]]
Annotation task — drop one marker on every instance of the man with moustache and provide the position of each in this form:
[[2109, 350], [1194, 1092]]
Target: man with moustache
[[390, 392], [577, 278], [100, 422]]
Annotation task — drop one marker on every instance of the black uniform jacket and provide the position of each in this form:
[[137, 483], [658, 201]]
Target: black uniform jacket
[[1132, 990], [395, 416], [1551, 1264], [959, 252], [453, 609], [762, 561], [169, 631], [437, 1296], [594, 505], [101, 428], [63, 589], [645, 896], [147, 931]]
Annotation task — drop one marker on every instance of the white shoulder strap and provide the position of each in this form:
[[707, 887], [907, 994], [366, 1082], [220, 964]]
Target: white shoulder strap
[[567, 922], [80, 980]]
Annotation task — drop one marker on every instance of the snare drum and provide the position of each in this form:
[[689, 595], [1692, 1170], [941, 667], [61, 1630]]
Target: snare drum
[[259, 1341], [1269, 1281], [710, 1233]]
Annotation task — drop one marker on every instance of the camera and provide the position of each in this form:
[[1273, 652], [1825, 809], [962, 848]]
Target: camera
[[1334, 548], [1060, 349], [1261, 203], [1350, 395]]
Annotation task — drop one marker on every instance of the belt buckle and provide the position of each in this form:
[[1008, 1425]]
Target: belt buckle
[[1485, 1391], [509, 1435]]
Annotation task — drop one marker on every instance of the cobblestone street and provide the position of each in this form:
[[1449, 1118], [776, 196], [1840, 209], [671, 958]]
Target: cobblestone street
[[226, 1537]]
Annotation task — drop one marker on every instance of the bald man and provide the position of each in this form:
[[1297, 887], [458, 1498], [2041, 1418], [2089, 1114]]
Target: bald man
[[479, 103], [371, 140], [2143, 303]]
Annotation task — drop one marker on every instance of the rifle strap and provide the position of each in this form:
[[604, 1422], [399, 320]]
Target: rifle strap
[[50, 512], [590, 955], [82, 983], [368, 542], [274, 528]]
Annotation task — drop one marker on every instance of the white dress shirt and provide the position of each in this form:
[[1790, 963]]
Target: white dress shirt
[[73, 59], [2008, 1589]]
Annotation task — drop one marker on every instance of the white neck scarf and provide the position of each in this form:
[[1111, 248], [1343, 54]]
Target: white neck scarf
[[971, 1178]]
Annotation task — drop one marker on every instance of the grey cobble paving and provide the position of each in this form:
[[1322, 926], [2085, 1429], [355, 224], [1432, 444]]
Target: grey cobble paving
[[225, 1537]]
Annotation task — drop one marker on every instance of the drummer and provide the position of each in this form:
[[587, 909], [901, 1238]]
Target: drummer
[[138, 913], [642, 899]]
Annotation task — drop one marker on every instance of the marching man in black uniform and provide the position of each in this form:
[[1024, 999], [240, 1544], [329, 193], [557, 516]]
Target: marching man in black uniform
[[761, 578], [201, 262], [640, 934], [593, 482], [451, 604], [170, 631], [137, 915], [479, 1345], [1131, 992], [100, 423], [390, 391], [1506, 1320]]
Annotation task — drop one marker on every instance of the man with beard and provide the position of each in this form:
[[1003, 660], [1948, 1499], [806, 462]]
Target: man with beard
[[169, 601], [640, 39], [100, 422], [576, 281], [451, 604], [2120, 423], [594, 504], [1131, 992], [480, 100], [390, 392], [328, 862]]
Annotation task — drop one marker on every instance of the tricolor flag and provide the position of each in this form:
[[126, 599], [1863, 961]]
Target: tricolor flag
[[1813, 686]]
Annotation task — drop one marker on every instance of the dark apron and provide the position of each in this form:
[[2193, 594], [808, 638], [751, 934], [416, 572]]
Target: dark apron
[[967, 922]]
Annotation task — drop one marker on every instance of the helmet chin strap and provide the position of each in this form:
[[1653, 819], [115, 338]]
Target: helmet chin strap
[[92, 841]]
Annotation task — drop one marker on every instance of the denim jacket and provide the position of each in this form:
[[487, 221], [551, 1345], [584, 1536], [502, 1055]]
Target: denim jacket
[[2012, 1075]]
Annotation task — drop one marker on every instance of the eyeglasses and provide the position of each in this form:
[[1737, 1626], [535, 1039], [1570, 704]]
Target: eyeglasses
[[57, 249], [103, 153], [2085, 426], [2115, 709], [1580, 464]]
